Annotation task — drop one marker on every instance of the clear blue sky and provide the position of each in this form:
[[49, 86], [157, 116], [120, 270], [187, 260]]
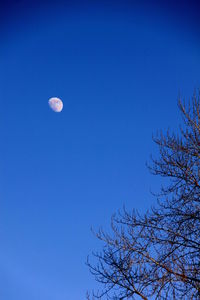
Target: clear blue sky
[[118, 70]]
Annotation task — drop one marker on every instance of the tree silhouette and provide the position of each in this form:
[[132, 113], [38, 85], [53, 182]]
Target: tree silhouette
[[157, 255]]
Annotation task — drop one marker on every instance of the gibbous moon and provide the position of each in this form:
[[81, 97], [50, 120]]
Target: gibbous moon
[[56, 104]]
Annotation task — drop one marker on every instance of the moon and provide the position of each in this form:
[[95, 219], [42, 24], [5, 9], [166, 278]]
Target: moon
[[56, 104]]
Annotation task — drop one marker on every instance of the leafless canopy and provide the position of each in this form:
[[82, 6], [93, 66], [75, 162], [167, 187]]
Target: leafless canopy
[[157, 255]]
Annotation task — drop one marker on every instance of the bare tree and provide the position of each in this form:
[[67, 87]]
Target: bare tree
[[157, 255]]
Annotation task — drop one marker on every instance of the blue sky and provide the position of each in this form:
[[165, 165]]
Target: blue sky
[[119, 73]]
